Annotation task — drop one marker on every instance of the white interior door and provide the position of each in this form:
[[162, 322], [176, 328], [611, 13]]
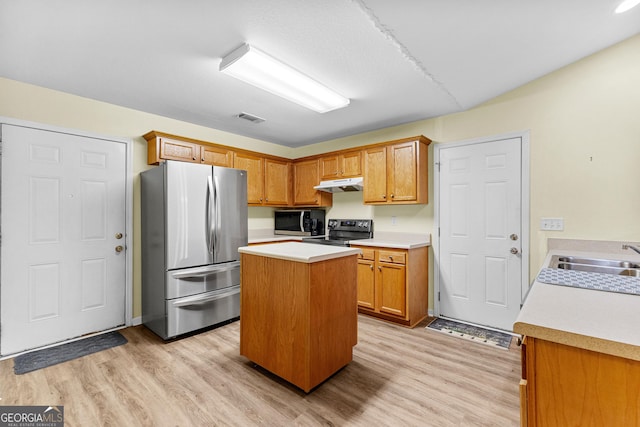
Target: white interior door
[[480, 243], [63, 219]]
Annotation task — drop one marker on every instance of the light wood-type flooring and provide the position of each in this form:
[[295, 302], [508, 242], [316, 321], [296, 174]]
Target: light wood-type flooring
[[398, 377]]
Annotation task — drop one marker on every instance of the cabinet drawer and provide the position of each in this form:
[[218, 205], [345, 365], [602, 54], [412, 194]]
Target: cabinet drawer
[[366, 254], [392, 256]]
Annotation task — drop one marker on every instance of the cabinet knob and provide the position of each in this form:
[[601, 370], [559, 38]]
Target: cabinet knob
[[390, 258], [371, 267], [384, 196], [194, 157], [392, 195], [379, 268]]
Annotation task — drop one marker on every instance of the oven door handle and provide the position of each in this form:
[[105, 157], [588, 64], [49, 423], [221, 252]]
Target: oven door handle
[[203, 299]]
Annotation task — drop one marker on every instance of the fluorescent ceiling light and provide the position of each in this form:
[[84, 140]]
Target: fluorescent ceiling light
[[261, 70], [626, 5]]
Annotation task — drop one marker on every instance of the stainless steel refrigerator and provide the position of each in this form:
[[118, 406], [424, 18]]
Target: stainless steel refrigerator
[[194, 219]]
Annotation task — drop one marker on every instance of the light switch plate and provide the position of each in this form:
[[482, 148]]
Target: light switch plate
[[552, 224]]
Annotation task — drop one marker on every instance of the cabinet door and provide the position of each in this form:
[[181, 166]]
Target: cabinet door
[[255, 176], [216, 156], [171, 149], [375, 175], [402, 172], [351, 164], [366, 284], [277, 183], [329, 168], [305, 177], [392, 289]]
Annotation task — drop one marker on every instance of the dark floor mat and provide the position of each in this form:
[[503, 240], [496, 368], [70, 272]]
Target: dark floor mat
[[471, 332], [52, 356]]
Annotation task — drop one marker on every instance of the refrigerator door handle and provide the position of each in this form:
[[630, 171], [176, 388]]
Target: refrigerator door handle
[[211, 207], [216, 216], [204, 271], [203, 299]]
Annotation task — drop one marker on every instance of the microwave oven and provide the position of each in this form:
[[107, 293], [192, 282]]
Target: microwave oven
[[299, 222]]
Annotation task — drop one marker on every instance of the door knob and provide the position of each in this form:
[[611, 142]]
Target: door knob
[[119, 248], [515, 251], [514, 237], [118, 235]]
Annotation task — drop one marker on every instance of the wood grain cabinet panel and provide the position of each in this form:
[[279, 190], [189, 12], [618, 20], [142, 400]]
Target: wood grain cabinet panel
[[393, 284], [396, 173], [305, 177], [298, 320], [254, 166], [564, 385], [216, 156], [171, 149], [277, 182], [347, 164]]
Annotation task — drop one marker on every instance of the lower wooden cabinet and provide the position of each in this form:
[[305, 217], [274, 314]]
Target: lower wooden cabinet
[[393, 283], [568, 386]]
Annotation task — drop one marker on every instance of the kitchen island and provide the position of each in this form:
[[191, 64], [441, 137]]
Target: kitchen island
[[298, 309], [581, 353]]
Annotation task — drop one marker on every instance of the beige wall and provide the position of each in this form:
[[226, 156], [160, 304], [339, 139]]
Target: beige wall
[[585, 147]]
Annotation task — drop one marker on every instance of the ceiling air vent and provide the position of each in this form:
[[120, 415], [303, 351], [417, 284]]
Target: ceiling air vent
[[251, 118]]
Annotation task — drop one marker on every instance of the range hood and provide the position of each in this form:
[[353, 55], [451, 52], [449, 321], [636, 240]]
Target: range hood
[[340, 185]]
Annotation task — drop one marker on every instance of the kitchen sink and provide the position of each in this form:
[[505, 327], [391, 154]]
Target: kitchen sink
[[596, 265]]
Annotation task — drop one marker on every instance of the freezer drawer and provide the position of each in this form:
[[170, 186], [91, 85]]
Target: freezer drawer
[[192, 281], [199, 311]]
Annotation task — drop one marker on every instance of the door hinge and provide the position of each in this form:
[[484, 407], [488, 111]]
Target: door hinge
[[438, 231], [438, 295], [438, 164]]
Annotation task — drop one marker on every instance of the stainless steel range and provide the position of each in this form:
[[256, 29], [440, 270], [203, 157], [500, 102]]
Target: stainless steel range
[[342, 231]]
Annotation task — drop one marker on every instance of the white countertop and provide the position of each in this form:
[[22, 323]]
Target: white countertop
[[385, 239], [606, 322], [395, 240], [267, 235], [299, 252]]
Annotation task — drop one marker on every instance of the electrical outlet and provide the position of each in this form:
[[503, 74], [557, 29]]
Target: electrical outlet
[[552, 224]]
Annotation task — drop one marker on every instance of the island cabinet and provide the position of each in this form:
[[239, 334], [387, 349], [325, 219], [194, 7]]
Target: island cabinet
[[346, 164], [564, 385], [396, 172], [393, 283], [305, 177], [298, 311], [268, 180]]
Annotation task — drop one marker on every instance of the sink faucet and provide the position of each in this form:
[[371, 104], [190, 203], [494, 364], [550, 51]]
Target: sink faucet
[[633, 248]]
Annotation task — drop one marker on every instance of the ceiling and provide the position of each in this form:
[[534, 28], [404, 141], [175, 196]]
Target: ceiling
[[397, 61]]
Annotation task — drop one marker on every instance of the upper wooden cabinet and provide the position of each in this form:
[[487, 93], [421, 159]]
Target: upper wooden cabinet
[[254, 166], [268, 180], [341, 165], [277, 182], [396, 173], [161, 148], [216, 156], [305, 177]]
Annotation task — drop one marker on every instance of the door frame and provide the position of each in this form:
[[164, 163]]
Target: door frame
[[128, 298], [524, 137]]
